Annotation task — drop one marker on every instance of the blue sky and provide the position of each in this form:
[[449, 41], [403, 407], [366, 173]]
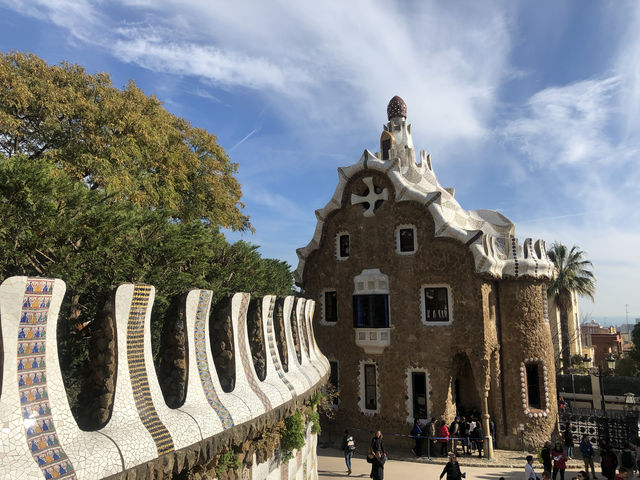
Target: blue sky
[[528, 108]]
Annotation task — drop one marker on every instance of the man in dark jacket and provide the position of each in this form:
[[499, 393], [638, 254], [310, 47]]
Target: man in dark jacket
[[545, 453], [377, 461], [452, 469]]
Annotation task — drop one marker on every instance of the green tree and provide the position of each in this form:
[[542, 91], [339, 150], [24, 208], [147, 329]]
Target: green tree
[[572, 274], [122, 141]]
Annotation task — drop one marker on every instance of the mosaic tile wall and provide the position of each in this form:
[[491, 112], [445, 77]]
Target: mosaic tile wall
[[38, 434]]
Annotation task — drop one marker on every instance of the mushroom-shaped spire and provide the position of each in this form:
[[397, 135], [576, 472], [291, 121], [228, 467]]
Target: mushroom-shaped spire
[[396, 108]]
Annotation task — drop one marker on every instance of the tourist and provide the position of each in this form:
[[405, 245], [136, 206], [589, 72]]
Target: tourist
[[529, 473], [562, 404], [431, 429], [376, 443], [465, 427], [416, 433], [454, 433], [559, 461], [608, 461], [452, 469], [348, 447], [377, 460], [478, 438], [626, 458], [587, 455], [568, 439], [443, 438], [545, 457]]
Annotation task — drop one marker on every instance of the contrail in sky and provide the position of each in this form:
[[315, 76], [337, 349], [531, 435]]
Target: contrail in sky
[[244, 139]]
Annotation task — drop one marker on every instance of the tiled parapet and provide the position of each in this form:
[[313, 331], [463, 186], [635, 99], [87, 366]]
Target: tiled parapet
[[275, 372], [313, 373], [300, 379], [317, 358], [141, 423], [39, 437]]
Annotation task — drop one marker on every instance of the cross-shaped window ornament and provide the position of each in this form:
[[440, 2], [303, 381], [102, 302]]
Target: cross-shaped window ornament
[[370, 198]]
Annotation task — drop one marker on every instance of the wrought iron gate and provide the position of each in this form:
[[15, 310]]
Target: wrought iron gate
[[615, 427]]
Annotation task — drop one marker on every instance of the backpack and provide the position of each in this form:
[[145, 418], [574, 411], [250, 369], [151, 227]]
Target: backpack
[[351, 444]]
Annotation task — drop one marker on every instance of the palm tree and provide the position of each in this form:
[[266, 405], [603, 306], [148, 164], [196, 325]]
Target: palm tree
[[572, 274]]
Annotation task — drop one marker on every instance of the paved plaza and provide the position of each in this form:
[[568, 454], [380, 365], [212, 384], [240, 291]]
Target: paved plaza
[[331, 466]]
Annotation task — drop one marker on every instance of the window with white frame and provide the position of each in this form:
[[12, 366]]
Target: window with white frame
[[368, 399], [329, 302], [406, 239], [343, 245], [418, 389], [370, 387], [436, 304]]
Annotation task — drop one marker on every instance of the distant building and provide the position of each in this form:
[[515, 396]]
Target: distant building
[[567, 339], [603, 341]]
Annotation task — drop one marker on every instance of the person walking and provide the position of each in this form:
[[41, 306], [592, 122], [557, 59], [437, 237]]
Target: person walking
[[559, 461], [626, 458], [443, 438], [587, 455], [348, 447], [377, 461], [452, 469], [568, 439], [529, 473]]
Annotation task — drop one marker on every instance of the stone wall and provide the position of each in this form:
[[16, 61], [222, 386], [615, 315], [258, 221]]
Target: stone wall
[[138, 435]]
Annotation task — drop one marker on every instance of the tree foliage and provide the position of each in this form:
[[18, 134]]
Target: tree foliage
[[101, 186], [122, 141], [572, 274]]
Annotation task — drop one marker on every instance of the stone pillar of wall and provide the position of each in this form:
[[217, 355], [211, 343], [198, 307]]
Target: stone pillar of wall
[[256, 337], [172, 368], [98, 387], [525, 336]]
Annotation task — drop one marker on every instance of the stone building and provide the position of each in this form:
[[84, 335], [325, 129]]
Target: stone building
[[566, 339], [427, 309]]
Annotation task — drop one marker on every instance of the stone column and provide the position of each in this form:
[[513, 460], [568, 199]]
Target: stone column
[[488, 441]]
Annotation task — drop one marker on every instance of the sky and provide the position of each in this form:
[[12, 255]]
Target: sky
[[528, 108]]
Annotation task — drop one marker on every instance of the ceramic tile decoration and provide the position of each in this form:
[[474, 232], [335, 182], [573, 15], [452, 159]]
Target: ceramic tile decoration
[[202, 401], [274, 366], [316, 358], [246, 386], [138, 371], [40, 430], [295, 375], [313, 373], [310, 379], [39, 437]]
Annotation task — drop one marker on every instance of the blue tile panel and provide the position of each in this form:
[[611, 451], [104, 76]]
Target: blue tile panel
[[39, 427], [203, 365], [138, 371]]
